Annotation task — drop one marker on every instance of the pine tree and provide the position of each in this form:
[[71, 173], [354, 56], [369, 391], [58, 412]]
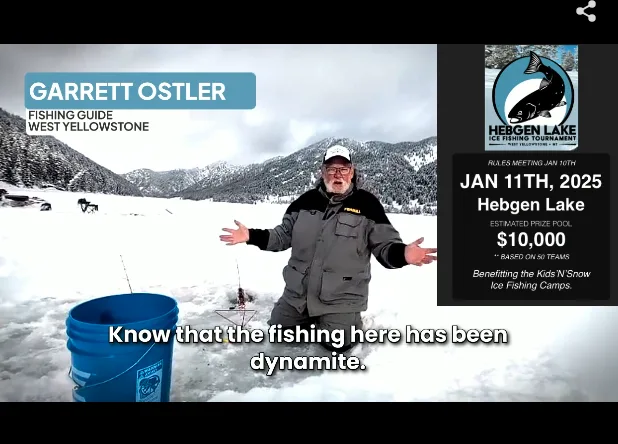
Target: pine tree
[[498, 56], [547, 51], [568, 61], [43, 160], [525, 50]]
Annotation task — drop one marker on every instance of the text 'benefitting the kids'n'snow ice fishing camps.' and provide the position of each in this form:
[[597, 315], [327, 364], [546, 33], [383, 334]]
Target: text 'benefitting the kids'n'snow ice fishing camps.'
[[336, 339]]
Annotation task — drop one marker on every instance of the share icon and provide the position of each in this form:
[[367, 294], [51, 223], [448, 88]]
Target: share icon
[[582, 11]]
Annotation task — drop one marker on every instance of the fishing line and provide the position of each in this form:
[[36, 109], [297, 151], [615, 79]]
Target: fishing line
[[126, 274]]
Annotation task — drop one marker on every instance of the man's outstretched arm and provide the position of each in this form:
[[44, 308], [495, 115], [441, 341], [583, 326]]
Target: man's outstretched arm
[[384, 240], [278, 238]]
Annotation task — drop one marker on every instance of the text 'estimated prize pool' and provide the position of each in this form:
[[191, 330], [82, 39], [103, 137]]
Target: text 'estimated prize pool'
[[531, 226]]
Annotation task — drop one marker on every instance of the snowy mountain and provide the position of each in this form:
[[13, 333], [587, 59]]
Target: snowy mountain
[[168, 183], [402, 175], [44, 161]]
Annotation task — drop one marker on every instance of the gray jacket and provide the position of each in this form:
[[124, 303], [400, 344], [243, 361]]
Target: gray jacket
[[332, 239]]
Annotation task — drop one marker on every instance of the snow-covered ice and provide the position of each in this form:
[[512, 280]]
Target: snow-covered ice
[[50, 261]]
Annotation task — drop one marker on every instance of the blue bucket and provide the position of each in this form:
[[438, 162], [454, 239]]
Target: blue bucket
[[107, 371]]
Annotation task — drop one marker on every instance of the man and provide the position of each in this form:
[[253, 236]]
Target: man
[[333, 230]]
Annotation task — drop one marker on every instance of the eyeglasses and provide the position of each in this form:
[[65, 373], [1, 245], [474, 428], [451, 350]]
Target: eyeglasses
[[333, 170]]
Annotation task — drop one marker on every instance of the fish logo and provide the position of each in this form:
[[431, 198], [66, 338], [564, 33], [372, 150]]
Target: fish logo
[[149, 385], [543, 100], [542, 94], [531, 97]]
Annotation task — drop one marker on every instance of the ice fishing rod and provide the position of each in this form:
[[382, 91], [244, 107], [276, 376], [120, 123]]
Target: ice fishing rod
[[241, 295], [126, 274], [238, 271], [239, 307]]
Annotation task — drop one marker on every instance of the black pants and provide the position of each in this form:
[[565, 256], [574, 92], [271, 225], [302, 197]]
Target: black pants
[[289, 318]]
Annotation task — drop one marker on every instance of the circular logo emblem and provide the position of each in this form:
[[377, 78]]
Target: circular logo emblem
[[533, 90]]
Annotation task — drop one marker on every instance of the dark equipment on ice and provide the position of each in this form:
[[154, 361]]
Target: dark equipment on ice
[[19, 201], [16, 198], [241, 298], [239, 309], [46, 207], [87, 207]]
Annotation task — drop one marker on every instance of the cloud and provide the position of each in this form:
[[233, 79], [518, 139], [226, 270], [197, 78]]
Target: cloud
[[304, 93]]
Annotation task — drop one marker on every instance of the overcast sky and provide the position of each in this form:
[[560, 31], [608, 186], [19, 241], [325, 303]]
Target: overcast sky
[[304, 94]]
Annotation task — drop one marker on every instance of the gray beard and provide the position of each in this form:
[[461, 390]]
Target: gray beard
[[330, 190]]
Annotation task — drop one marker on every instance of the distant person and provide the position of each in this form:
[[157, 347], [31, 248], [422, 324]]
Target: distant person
[[332, 229]]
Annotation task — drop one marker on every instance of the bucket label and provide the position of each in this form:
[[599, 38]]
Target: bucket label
[[149, 383], [80, 378]]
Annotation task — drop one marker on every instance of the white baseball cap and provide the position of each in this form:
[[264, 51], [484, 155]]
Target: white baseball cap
[[337, 151]]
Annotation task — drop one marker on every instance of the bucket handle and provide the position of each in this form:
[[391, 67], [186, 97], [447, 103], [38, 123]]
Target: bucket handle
[[77, 387]]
